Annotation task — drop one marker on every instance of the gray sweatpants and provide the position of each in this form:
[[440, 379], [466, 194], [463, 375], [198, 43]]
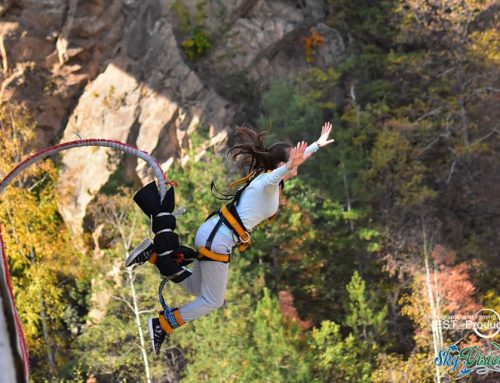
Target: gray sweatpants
[[209, 279]]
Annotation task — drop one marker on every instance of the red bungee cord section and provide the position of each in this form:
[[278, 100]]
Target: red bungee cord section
[[14, 363]]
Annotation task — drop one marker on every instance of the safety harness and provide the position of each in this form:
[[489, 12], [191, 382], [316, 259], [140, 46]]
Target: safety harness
[[228, 215]]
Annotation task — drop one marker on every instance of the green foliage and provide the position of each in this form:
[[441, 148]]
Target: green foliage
[[321, 234], [249, 337], [47, 269], [416, 369], [310, 249], [336, 359], [282, 361], [366, 322], [371, 23], [290, 113], [198, 43], [182, 13], [395, 170], [349, 359]]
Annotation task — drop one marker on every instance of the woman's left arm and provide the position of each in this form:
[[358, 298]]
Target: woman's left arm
[[298, 155], [322, 140]]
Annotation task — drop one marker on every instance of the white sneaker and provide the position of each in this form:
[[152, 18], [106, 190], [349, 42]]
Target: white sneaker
[[141, 253]]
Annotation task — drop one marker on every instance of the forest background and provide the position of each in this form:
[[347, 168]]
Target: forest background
[[392, 226]]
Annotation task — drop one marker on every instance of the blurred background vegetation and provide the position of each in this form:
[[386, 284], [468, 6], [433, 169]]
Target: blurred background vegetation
[[399, 215]]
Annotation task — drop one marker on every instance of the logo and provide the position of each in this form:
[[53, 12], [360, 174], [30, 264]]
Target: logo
[[469, 359], [487, 324]]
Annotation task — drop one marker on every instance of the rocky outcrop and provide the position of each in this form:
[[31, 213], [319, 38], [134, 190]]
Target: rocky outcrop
[[265, 40], [86, 170], [115, 69], [148, 86], [52, 49]]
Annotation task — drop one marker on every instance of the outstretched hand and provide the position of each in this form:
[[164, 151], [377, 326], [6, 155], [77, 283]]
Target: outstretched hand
[[297, 155], [325, 132]]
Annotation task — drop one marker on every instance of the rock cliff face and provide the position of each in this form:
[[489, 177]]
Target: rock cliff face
[[115, 69]]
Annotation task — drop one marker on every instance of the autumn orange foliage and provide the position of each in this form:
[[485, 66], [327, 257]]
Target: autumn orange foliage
[[289, 311], [311, 42]]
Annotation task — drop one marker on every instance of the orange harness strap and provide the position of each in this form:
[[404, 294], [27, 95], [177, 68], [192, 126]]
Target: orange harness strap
[[204, 252], [242, 233], [166, 326]]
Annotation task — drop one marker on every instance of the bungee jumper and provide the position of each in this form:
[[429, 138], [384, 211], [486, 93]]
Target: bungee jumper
[[256, 200]]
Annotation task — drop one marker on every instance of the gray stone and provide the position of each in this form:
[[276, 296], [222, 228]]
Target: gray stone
[[107, 109], [168, 106]]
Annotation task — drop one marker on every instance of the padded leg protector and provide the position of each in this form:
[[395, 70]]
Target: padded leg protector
[[184, 255], [168, 203], [148, 199], [163, 222], [170, 269], [164, 242], [170, 319]]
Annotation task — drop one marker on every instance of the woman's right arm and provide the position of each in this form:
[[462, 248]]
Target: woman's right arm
[[297, 156], [272, 179]]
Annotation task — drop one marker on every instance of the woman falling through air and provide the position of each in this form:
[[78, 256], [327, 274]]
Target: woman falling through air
[[254, 202]]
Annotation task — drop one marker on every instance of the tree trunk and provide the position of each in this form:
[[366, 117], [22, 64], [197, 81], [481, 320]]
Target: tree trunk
[[433, 302], [130, 274], [348, 197], [48, 342]]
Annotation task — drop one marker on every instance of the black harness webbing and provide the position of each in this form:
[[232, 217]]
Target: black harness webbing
[[233, 214], [210, 239], [231, 206]]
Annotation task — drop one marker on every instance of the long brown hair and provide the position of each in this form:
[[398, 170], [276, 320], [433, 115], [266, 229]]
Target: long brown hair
[[250, 150]]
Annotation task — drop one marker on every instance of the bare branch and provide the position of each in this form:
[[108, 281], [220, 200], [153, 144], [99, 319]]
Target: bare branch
[[433, 142], [3, 52], [124, 301], [30, 188], [451, 171], [430, 113], [62, 42], [14, 76], [492, 132], [147, 311], [131, 233]]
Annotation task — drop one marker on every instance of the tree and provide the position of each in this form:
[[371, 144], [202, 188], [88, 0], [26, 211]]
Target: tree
[[366, 321], [334, 358], [350, 359], [121, 222], [47, 271]]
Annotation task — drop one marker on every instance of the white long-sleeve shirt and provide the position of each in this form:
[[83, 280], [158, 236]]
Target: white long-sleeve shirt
[[260, 199]]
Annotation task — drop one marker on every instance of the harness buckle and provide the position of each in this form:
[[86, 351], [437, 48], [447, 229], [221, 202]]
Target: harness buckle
[[247, 237]]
